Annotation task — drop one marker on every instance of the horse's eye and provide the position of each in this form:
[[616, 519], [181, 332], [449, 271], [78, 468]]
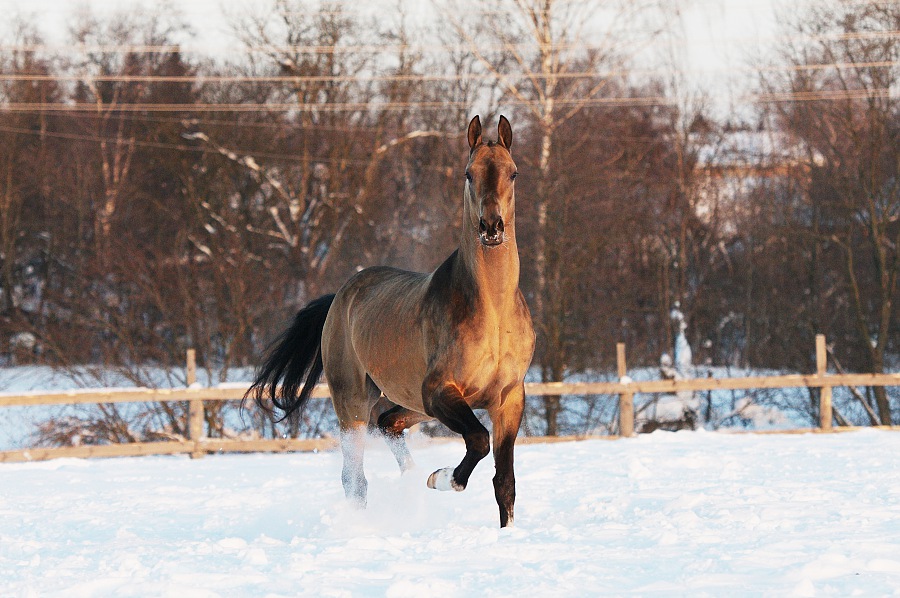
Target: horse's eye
[[513, 176], [468, 176]]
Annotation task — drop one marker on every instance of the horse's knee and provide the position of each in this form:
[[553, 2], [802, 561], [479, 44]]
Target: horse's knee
[[479, 443], [390, 424]]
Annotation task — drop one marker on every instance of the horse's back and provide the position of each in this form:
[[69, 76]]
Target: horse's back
[[381, 292]]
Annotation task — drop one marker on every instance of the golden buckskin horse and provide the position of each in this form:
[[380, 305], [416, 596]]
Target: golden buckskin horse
[[399, 348]]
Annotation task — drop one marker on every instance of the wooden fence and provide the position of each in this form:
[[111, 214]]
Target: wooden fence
[[198, 445]]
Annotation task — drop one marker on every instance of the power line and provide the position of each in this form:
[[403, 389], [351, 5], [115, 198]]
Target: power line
[[191, 123], [307, 127], [613, 101], [243, 124], [414, 78], [820, 95], [181, 147], [396, 48]]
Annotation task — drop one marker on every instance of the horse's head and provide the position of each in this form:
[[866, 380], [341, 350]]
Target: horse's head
[[490, 183]]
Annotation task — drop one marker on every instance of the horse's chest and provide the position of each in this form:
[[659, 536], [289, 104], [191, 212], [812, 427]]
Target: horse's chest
[[491, 360]]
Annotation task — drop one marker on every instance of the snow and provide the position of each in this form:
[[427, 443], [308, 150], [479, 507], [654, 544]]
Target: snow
[[684, 357], [688, 513], [18, 425]]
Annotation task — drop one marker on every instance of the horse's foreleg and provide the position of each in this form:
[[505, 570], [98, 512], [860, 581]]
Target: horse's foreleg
[[392, 423], [506, 420], [353, 444], [449, 407]]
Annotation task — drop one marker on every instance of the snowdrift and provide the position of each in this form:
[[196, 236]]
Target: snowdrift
[[698, 513]]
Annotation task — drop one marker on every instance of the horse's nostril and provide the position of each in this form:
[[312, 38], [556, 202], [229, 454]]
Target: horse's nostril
[[500, 225], [482, 225]]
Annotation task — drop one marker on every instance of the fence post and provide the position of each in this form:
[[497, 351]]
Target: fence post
[[626, 399], [195, 408], [824, 391]]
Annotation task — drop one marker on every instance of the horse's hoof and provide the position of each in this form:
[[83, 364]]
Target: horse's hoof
[[442, 479]]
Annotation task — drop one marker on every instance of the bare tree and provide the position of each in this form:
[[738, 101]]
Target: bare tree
[[846, 120]]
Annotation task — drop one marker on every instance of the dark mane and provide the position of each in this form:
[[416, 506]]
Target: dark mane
[[446, 294]]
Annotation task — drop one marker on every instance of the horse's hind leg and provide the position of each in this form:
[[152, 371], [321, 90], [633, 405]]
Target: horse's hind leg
[[392, 423], [449, 407], [353, 478], [352, 405]]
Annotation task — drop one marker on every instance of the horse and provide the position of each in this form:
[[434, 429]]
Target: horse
[[399, 348]]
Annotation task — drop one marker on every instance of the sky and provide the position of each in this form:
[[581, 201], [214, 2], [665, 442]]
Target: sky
[[719, 35], [54, 15], [724, 34]]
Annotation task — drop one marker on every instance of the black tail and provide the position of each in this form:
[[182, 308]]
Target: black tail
[[294, 359]]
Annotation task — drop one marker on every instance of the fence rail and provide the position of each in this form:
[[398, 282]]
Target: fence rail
[[198, 445]]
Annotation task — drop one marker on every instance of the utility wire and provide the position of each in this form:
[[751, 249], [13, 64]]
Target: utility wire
[[396, 48], [180, 147], [624, 73], [614, 101]]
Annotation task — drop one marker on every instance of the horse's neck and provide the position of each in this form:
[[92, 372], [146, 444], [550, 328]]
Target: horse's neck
[[494, 271]]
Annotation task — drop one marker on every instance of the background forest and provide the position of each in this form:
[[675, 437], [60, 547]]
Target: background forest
[[154, 200]]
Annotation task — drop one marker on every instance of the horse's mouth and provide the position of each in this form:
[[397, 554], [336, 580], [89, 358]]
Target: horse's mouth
[[491, 241]]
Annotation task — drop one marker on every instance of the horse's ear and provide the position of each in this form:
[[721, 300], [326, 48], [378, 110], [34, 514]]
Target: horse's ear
[[504, 133], [474, 132]]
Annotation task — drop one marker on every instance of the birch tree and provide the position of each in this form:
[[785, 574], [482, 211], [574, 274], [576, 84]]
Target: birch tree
[[552, 59]]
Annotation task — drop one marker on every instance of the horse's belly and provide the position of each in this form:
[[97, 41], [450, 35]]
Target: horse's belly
[[406, 395]]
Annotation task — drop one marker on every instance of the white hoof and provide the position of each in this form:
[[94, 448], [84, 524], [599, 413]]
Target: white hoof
[[442, 479]]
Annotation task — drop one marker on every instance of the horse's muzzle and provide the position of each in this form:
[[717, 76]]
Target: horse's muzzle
[[490, 231]]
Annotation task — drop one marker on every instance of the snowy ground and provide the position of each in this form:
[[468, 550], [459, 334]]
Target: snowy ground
[[689, 513]]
